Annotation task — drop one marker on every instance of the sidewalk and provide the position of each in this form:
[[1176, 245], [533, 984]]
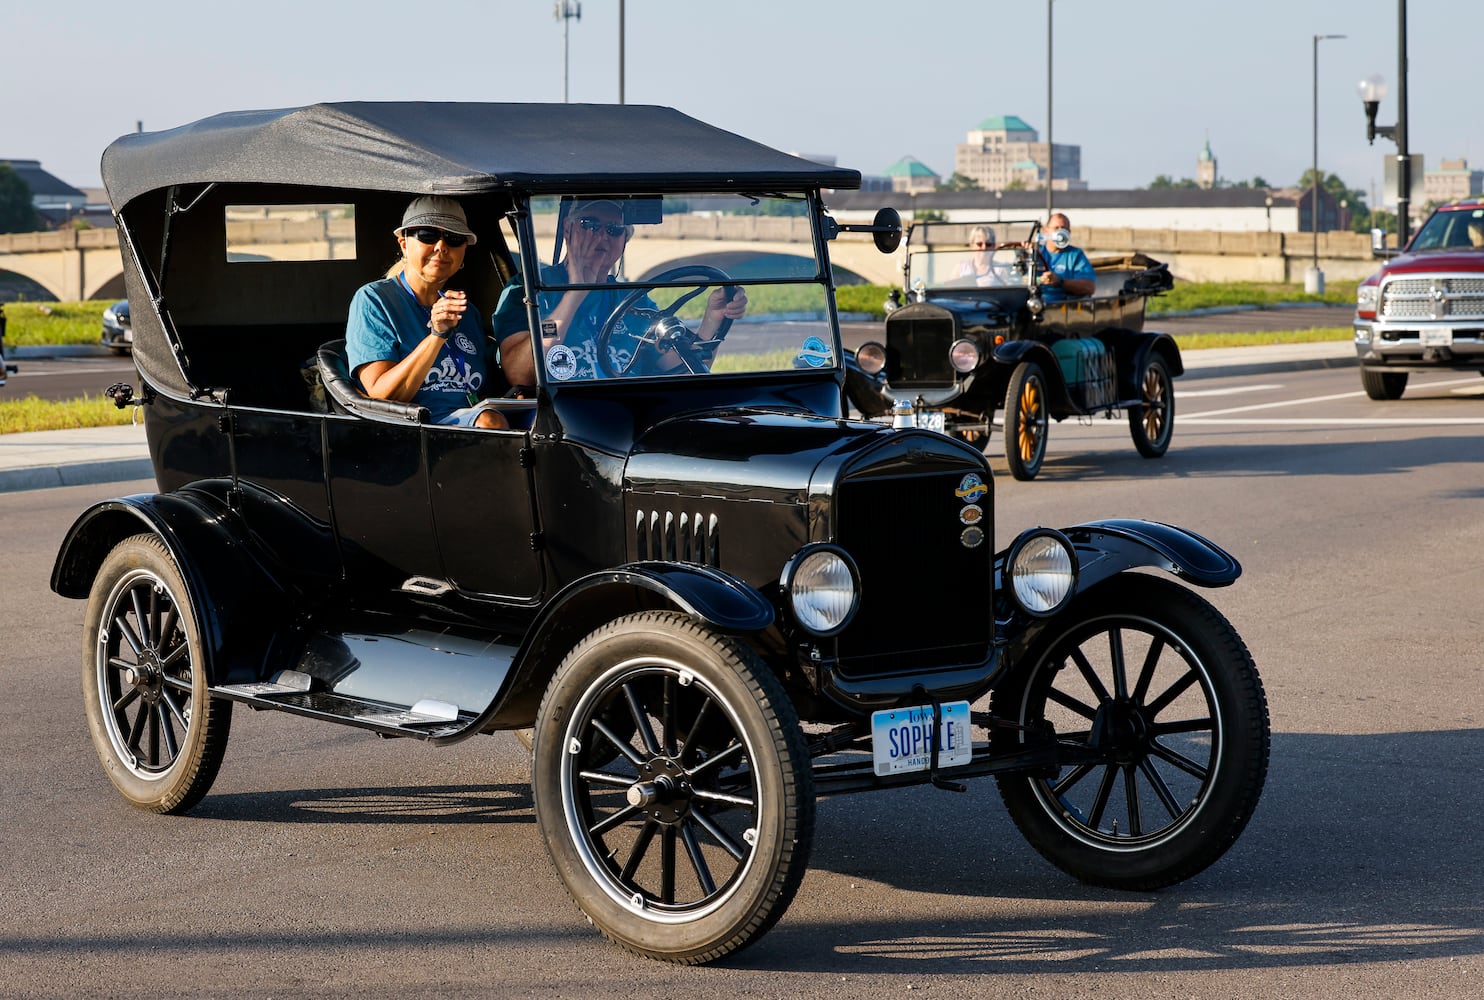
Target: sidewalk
[[43, 459]]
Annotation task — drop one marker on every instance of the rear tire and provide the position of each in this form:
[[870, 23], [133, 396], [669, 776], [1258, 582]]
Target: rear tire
[[672, 787], [158, 733], [1383, 385]]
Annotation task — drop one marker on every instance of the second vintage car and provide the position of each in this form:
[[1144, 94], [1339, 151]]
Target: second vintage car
[[977, 338]]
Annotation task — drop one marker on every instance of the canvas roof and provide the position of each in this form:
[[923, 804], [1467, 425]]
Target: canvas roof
[[458, 149]]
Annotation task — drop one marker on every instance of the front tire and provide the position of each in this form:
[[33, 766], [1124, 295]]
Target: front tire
[[1152, 422], [1160, 688], [1383, 385], [672, 788], [1027, 420], [158, 733]]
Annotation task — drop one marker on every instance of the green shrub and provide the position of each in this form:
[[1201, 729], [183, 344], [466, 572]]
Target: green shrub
[[32, 324]]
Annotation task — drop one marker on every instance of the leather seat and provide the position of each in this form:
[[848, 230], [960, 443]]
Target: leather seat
[[345, 393]]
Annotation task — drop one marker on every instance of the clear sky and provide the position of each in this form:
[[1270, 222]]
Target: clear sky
[[1139, 86]]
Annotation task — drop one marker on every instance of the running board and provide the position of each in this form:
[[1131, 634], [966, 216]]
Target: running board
[[424, 720]]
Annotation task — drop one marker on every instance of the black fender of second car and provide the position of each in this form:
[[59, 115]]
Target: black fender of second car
[[230, 588], [1109, 547], [1006, 357], [1134, 351]]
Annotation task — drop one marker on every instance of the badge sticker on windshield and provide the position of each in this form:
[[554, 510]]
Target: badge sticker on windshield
[[972, 514], [971, 488], [972, 537], [548, 328], [815, 354], [561, 363]]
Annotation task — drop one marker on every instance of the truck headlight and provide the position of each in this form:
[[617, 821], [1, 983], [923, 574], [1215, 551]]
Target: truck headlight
[[823, 589], [1042, 571]]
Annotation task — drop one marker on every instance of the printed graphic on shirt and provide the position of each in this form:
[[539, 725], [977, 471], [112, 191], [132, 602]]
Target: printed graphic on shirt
[[446, 377]]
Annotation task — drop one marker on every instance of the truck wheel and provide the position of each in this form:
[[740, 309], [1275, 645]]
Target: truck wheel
[[1152, 422], [1383, 385], [1026, 420], [158, 733], [1157, 704], [672, 787]]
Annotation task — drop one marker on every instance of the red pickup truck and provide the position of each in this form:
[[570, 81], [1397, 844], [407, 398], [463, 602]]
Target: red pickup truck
[[1424, 309]]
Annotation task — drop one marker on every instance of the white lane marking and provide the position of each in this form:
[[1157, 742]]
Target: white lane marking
[[1339, 421], [1232, 391], [1308, 399]]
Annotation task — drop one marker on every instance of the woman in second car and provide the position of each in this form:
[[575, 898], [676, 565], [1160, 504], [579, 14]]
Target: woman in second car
[[410, 340]]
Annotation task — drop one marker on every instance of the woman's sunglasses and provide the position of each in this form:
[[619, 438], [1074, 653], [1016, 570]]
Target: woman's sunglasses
[[430, 236], [614, 229]]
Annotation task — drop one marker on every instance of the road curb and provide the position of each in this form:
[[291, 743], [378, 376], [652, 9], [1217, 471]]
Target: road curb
[[42, 351], [45, 477], [1236, 369]]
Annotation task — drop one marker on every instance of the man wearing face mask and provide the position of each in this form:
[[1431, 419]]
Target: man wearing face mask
[[1069, 273]]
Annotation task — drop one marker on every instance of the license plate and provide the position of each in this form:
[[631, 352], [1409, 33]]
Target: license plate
[[901, 738], [1437, 336], [129, 336], [932, 420]]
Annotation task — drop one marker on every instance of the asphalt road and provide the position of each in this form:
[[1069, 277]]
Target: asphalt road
[[328, 863], [69, 376]]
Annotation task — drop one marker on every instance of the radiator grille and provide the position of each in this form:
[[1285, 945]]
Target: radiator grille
[[921, 351], [678, 536], [925, 595], [1433, 298]]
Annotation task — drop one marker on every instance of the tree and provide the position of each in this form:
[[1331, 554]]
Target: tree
[[1362, 219], [17, 214], [1164, 182], [958, 182], [1016, 185]]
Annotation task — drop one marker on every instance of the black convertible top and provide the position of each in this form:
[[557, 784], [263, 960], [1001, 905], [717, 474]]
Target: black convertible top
[[458, 149]]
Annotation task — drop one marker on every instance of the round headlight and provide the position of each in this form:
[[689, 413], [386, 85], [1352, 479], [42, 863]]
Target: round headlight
[[1042, 571], [822, 588], [871, 357], [963, 356]]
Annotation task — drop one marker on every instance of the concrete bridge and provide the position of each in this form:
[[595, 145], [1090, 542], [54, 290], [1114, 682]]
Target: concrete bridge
[[85, 264]]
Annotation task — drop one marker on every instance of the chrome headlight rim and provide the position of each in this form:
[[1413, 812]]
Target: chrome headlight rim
[[964, 355], [871, 357], [807, 560], [1031, 544]]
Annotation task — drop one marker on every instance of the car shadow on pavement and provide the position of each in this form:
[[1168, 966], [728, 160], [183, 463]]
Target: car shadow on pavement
[[495, 803], [1363, 849]]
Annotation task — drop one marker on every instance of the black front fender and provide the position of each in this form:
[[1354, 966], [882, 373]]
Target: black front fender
[[1107, 548]]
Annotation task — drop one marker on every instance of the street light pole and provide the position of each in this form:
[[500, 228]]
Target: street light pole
[[1314, 280], [564, 11], [1050, 155], [1372, 90]]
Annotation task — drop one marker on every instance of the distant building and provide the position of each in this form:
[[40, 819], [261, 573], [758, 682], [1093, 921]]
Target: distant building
[[1451, 181], [55, 199], [1003, 149], [912, 175], [1333, 215], [1205, 168]]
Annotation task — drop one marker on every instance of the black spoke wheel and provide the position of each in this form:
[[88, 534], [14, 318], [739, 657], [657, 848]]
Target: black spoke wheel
[[672, 787], [1152, 422], [1160, 688], [159, 735], [1027, 420], [1383, 385]]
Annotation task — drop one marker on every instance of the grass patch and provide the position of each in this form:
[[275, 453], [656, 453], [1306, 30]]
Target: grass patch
[[32, 413], [37, 324], [1318, 335], [1187, 295]]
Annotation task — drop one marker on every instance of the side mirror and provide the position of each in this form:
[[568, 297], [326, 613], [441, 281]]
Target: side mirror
[[887, 227], [1378, 244]]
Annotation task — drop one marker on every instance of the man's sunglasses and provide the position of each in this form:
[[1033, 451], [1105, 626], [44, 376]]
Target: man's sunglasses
[[430, 236], [614, 229]]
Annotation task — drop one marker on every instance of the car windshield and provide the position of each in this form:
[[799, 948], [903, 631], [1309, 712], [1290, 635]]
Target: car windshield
[[696, 284], [968, 254], [1451, 229]]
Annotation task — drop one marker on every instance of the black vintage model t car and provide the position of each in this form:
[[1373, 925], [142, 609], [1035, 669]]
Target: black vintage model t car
[[708, 593], [978, 338]]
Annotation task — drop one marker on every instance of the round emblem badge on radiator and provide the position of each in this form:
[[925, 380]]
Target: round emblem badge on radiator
[[972, 537], [971, 488], [972, 514]]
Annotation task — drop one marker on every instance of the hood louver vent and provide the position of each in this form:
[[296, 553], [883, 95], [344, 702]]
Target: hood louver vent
[[686, 536]]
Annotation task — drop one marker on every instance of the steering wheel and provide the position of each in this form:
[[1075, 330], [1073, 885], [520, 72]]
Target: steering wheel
[[663, 329]]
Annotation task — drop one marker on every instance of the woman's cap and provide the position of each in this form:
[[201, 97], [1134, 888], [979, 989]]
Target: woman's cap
[[435, 210]]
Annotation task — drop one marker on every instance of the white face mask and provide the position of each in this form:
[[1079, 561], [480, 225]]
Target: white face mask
[[1060, 238]]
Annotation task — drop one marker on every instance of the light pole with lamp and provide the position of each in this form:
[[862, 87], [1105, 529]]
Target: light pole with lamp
[[1314, 279], [1050, 150], [564, 11], [1372, 90]]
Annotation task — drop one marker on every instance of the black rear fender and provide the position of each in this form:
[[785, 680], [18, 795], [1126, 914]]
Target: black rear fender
[[242, 608], [705, 594]]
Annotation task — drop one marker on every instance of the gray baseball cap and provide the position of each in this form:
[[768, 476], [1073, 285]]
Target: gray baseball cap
[[435, 210]]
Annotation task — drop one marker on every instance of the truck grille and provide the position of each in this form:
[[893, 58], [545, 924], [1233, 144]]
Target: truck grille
[[925, 595], [1433, 298]]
